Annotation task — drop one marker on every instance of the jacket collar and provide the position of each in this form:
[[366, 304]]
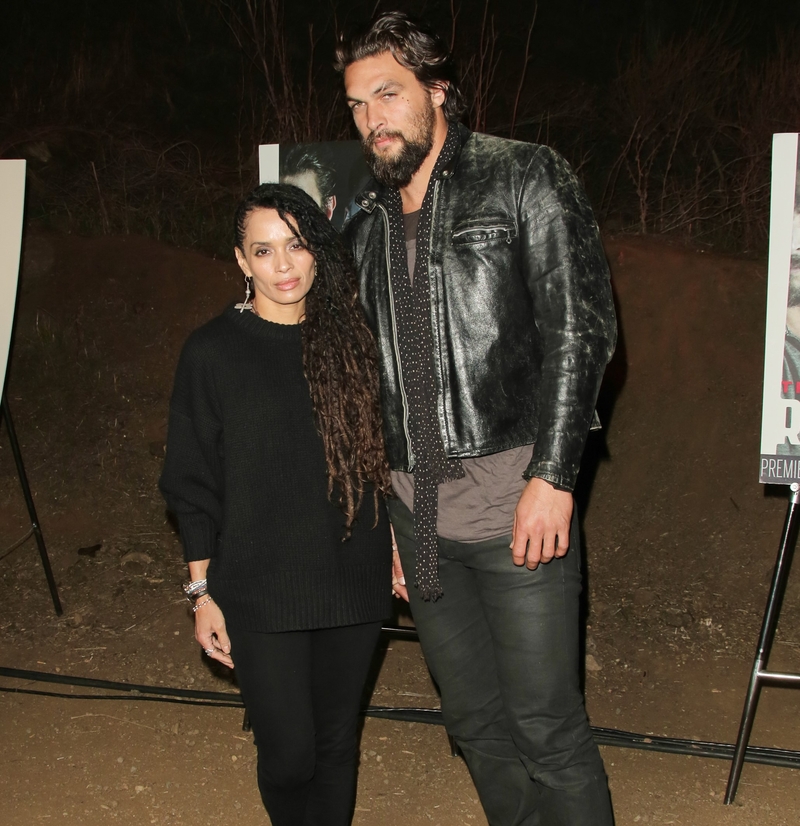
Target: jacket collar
[[375, 192]]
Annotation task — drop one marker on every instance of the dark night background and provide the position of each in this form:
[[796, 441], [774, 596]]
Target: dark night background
[[140, 121], [144, 117]]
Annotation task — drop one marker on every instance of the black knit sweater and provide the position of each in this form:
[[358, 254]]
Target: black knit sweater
[[245, 475]]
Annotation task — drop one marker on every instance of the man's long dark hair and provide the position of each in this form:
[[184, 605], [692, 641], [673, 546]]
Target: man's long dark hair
[[413, 46], [339, 354]]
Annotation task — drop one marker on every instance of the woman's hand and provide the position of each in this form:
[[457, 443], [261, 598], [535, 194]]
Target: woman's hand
[[209, 631]]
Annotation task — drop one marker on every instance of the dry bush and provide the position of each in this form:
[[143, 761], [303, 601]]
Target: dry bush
[[484, 73], [694, 123], [678, 142], [480, 70], [667, 111], [285, 98], [95, 167], [768, 102], [130, 182]]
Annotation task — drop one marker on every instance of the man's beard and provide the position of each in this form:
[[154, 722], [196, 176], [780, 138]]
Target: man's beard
[[397, 171]]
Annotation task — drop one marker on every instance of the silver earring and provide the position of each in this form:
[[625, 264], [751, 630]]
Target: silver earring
[[247, 304]]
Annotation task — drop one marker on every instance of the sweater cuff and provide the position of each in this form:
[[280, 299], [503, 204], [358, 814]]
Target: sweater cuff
[[199, 537]]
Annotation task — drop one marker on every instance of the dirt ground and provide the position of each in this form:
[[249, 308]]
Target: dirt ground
[[680, 543]]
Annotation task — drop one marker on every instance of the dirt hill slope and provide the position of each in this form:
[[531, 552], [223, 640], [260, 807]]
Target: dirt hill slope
[[680, 543]]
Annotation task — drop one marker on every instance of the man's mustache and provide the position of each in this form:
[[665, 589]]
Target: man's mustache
[[371, 139]]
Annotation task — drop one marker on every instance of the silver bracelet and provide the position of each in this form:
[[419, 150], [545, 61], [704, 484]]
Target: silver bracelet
[[192, 598], [199, 605], [192, 588]]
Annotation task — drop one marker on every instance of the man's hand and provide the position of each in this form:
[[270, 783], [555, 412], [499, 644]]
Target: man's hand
[[399, 588], [541, 524]]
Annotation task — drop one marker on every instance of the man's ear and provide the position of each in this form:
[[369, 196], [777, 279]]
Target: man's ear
[[438, 93], [330, 206]]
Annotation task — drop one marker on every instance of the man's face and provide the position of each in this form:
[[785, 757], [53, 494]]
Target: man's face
[[395, 114], [794, 282], [794, 263], [307, 181]]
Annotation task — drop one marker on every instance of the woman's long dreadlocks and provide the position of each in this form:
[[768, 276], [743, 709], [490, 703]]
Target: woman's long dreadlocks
[[339, 354]]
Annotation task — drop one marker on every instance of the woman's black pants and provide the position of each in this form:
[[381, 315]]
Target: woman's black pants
[[302, 691]]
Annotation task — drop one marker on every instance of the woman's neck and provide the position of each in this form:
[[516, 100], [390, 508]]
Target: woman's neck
[[279, 313]]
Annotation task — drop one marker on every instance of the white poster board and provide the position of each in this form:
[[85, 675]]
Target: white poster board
[[780, 419], [331, 173], [12, 202]]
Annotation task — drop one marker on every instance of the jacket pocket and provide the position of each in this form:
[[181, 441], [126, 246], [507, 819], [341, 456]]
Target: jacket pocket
[[484, 231]]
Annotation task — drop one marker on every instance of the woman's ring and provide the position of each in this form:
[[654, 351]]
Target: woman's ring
[[209, 651]]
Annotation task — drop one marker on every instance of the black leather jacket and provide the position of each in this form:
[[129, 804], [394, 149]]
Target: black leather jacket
[[521, 307]]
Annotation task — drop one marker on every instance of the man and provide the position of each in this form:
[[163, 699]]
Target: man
[[302, 167], [790, 385], [482, 275]]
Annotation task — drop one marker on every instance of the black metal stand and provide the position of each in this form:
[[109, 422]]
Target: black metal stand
[[26, 491], [760, 674]]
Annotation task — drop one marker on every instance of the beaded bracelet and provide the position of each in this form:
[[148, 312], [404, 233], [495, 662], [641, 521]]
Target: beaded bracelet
[[199, 605]]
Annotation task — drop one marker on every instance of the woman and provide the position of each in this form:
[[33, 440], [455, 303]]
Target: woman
[[276, 472]]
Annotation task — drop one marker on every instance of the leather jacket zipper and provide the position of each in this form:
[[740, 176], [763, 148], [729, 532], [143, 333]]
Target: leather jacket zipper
[[430, 276], [411, 460], [503, 229]]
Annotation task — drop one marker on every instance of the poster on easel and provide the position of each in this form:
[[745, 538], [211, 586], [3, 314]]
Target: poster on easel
[[332, 173], [12, 203], [780, 418]]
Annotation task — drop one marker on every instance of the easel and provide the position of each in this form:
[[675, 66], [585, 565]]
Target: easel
[[12, 200], [26, 491], [760, 674]]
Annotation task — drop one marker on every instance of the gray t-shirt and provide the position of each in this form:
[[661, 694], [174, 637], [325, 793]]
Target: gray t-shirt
[[481, 505]]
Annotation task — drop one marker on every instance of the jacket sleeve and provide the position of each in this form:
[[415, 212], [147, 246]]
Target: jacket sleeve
[[568, 278], [192, 478]]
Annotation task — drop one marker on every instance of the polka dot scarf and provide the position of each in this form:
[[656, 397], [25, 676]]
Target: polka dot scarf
[[413, 303]]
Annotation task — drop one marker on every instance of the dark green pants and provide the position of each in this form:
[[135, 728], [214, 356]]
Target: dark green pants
[[503, 645]]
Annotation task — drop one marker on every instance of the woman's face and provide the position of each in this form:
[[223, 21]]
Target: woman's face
[[282, 269]]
